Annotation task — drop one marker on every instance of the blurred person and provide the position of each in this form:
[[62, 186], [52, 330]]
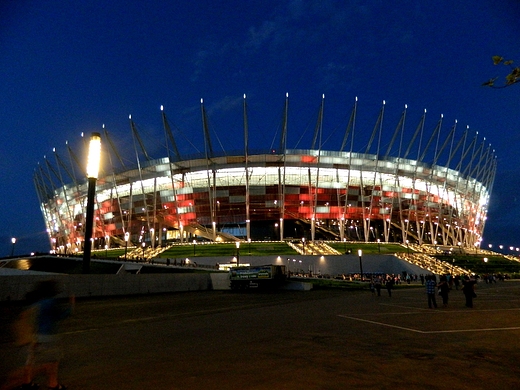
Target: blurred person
[[378, 285], [456, 281], [468, 288], [46, 351], [24, 337], [430, 291], [389, 285], [444, 290]]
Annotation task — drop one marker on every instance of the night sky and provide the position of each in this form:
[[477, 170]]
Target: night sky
[[68, 67]]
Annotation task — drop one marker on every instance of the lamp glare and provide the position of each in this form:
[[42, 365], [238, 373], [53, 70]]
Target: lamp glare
[[94, 155]]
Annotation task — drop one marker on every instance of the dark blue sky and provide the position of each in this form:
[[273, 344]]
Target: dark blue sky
[[68, 67]]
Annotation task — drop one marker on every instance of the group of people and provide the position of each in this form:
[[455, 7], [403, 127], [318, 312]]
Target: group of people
[[444, 286], [433, 288], [388, 281]]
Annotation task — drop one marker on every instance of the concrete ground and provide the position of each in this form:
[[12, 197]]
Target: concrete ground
[[292, 340]]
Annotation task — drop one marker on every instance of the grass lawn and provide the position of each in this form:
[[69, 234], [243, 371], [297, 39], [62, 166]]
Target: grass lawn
[[228, 249], [472, 261], [368, 248]]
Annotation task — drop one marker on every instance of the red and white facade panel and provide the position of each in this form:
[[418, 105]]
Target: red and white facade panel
[[389, 199]]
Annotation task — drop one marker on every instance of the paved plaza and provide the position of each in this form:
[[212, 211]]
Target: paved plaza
[[293, 340]]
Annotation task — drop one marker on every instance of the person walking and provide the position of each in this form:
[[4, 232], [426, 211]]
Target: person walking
[[389, 285], [378, 286], [430, 291], [456, 281], [20, 378], [444, 290], [47, 352], [468, 288]]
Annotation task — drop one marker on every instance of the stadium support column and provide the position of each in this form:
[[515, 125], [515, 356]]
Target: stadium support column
[[246, 158], [137, 140], [349, 130], [169, 136], [208, 151], [318, 131], [92, 174], [281, 168], [212, 200]]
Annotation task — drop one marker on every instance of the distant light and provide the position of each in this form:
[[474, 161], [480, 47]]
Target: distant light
[[162, 108], [244, 96], [287, 94], [130, 116], [201, 101]]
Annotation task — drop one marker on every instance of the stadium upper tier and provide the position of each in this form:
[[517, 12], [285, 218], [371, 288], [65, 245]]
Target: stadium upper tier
[[282, 194]]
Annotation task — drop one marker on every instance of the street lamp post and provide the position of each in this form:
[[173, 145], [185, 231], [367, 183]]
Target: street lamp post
[[107, 244], [485, 265], [143, 245], [360, 254], [237, 243], [127, 236], [13, 241], [94, 155], [379, 245], [194, 243], [303, 244]]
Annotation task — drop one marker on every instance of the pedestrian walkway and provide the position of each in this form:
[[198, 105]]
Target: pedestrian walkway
[[293, 340]]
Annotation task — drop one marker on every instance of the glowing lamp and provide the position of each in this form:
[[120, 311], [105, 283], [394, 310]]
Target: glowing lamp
[[94, 156]]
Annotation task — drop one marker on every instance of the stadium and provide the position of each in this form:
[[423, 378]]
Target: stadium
[[420, 186]]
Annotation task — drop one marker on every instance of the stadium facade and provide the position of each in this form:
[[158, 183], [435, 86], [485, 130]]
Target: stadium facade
[[379, 194]]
